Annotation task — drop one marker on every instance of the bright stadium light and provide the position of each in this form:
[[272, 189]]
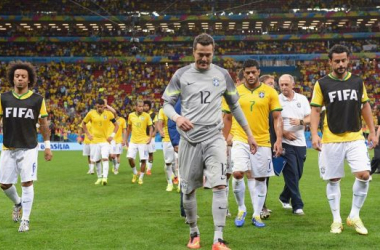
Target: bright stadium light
[[155, 13]]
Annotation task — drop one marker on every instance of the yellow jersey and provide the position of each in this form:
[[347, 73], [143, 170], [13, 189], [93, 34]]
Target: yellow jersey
[[139, 125], [119, 134], [162, 117], [100, 124], [328, 136], [256, 105], [89, 128]]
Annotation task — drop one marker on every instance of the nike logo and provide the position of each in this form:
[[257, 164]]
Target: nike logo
[[261, 196], [189, 83], [222, 208], [25, 201]]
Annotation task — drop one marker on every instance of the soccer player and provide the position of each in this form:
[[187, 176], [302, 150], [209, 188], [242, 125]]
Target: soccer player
[[268, 80], [119, 141], [257, 101], [168, 150], [20, 110], [295, 114], [138, 123], [152, 144], [86, 146], [202, 149], [101, 121], [346, 100]]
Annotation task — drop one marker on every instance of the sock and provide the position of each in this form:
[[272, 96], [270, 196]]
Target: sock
[[258, 191], [142, 176], [360, 190], [134, 170], [227, 191], [333, 197], [169, 173], [219, 212], [27, 201], [190, 206], [117, 165], [239, 192], [114, 162], [150, 165], [106, 167], [99, 169], [12, 195], [91, 167]]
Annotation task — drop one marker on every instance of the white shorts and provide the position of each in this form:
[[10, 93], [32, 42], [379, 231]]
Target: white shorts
[[16, 162], [100, 151], [260, 163], [141, 148], [116, 148], [331, 158], [229, 161], [86, 149], [152, 146], [168, 152]]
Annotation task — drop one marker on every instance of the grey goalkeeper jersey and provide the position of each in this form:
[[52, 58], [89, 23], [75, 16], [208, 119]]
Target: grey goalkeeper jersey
[[201, 94]]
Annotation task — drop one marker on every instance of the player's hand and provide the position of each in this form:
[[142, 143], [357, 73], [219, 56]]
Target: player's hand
[[48, 154], [316, 142], [252, 144], [123, 143], [148, 141], [109, 139], [277, 148], [373, 140], [295, 122], [90, 137], [126, 144], [184, 124], [289, 135], [162, 135], [176, 149]]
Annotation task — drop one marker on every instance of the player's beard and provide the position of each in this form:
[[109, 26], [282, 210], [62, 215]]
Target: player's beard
[[339, 71]]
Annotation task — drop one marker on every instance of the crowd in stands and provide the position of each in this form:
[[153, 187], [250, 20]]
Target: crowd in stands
[[177, 50], [173, 31], [122, 7], [72, 89]]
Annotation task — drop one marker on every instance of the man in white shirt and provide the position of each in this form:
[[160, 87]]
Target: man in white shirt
[[295, 114]]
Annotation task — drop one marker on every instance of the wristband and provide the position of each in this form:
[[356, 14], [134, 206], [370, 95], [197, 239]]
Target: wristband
[[47, 144], [113, 134], [175, 117]]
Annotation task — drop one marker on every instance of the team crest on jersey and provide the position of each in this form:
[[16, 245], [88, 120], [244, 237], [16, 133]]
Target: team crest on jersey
[[298, 104], [142, 118], [105, 117], [215, 82], [261, 94]]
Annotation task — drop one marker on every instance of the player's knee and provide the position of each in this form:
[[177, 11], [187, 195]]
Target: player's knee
[[238, 175], [363, 175], [260, 179], [27, 183], [221, 187], [5, 186]]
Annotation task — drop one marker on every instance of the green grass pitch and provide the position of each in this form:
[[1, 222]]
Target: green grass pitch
[[70, 212]]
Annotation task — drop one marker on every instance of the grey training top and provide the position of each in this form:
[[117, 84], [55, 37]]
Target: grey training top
[[201, 95]]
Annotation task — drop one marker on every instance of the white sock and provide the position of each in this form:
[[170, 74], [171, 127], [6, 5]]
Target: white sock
[[114, 162], [134, 170], [150, 165], [258, 191], [99, 169], [27, 201], [142, 176], [12, 194], [117, 165], [333, 197], [91, 167], [239, 193], [227, 191], [169, 173], [360, 190], [106, 167]]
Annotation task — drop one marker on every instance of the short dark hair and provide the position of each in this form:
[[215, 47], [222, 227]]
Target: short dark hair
[[204, 39], [339, 49], [250, 63], [240, 75], [149, 103], [15, 65], [100, 101]]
